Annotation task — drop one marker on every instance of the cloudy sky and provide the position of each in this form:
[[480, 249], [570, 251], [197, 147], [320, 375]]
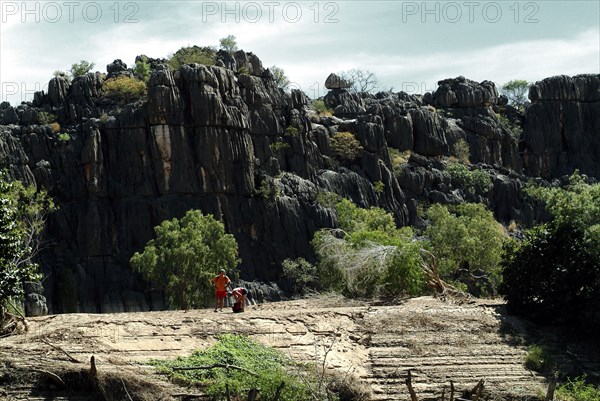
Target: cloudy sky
[[409, 45]]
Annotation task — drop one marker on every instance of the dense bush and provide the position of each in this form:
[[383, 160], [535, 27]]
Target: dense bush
[[472, 181], [301, 275], [124, 89], [142, 69], [368, 255], [578, 390], [467, 242], [554, 272], [345, 146], [81, 68], [270, 368], [321, 108], [185, 255], [192, 54]]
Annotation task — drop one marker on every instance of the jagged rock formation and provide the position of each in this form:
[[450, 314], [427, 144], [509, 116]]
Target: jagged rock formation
[[562, 126], [234, 145]]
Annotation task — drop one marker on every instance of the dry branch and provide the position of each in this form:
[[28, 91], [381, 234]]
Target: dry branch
[[52, 376], [411, 390], [56, 347]]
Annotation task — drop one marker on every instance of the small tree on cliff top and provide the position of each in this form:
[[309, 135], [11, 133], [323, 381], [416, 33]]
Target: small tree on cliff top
[[516, 92], [185, 255]]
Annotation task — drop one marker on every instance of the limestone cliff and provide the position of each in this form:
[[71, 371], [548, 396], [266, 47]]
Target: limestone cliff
[[211, 138]]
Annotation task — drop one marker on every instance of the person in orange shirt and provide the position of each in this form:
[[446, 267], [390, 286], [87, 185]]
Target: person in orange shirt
[[220, 284]]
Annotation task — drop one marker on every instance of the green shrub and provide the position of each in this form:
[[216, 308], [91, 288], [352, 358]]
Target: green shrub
[[302, 275], [278, 145], [515, 130], [462, 151], [399, 160], [368, 255], [578, 390], [467, 242], [269, 190], [124, 89], [327, 199], [345, 146], [191, 55], [472, 181], [270, 368], [104, 118], [292, 131], [321, 108], [46, 118], [379, 186], [142, 69], [63, 137], [538, 359]]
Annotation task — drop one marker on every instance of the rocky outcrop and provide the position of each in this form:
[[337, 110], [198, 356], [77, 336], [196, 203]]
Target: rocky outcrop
[[216, 138], [560, 132]]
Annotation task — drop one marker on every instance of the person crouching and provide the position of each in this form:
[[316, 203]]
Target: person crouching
[[241, 296]]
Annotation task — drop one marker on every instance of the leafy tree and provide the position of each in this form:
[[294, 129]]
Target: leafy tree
[[280, 79], [81, 68], [124, 89], [554, 272], [192, 54], [229, 44], [516, 92], [467, 242], [185, 255], [473, 181], [301, 275], [368, 254], [23, 213], [142, 69], [361, 80]]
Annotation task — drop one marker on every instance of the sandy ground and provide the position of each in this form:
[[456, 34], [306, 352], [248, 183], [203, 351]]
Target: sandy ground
[[374, 345]]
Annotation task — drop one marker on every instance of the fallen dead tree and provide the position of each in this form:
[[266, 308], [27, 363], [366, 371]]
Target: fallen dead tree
[[473, 394]]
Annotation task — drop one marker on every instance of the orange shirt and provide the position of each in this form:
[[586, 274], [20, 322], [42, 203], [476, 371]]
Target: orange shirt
[[221, 282]]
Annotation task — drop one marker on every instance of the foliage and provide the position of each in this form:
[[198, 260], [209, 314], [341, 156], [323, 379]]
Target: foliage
[[321, 108], [228, 44], [368, 254], [271, 366], [578, 390], [360, 80], [281, 80], [142, 69], [292, 131], [124, 89], [515, 130], [554, 272], [278, 145], [345, 146], [269, 190], [192, 54], [81, 68], [23, 213], [462, 151], [46, 118], [185, 255], [472, 181], [63, 137], [327, 199], [379, 186], [538, 359], [301, 275], [399, 160], [467, 242], [516, 92]]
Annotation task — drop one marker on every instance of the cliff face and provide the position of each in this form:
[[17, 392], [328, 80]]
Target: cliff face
[[236, 146]]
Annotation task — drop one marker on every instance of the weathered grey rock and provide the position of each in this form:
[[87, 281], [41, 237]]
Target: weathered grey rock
[[461, 92], [334, 81]]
